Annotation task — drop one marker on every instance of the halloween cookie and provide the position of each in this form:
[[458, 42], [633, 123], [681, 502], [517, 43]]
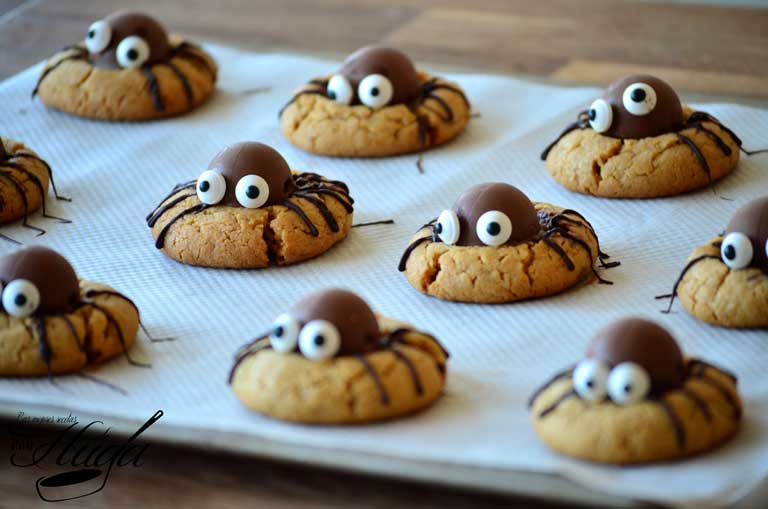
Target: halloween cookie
[[52, 322], [331, 360], [24, 180], [635, 398], [128, 68], [249, 210], [376, 104], [726, 281], [495, 245], [639, 141]]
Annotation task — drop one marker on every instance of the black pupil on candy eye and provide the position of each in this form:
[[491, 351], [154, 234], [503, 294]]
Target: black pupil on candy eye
[[730, 252], [628, 388], [331, 94], [204, 186], [252, 192], [91, 34], [493, 228], [592, 114], [375, 91], [20, 299], [319, 340], [132, 54], [638, 95], [278, 332], [590, 383], [439, 228]]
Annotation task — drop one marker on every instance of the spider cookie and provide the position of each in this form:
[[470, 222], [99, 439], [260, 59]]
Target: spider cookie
[[331, 360], [377, 104], [726, 281], [128, 68], [52, 322], [495, 245], [249, 210], [635, 399], [639, 141], [24, 180]]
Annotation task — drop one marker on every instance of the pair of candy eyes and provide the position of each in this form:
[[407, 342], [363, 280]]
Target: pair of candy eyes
[[317, 340], [133, 51], [252, 191], [625, 384], [638, 99], [20, 298], [493, 228], [374, 91], [737, 251]]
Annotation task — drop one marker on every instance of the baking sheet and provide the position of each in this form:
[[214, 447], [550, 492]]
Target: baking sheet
[[116, 173]]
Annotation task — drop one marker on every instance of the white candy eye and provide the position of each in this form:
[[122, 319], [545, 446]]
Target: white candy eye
[[639, 98], [375, 91], [21, 298], [211, 187], [590, 380], [252, 191], [628, 383], [600, 115], [494, 228], [132, 52], [98, 36], [447, 227], [736, 251], [319, 340], [339, 89], [285, 333]]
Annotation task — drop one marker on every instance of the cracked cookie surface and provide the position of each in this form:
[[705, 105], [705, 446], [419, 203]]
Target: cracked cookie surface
[[241, 238], [317, 124], [341, 390], [503, 274], [707, 410], [713, 293], [26, 173], [75, 86], [591, 163], [92, 339]]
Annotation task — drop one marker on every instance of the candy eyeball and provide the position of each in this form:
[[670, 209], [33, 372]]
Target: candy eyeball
[[639, 99], [590, 380], [21, 298], [284, 336], [211, 187], [494, 228], [98, 36], [132, 52], [340, 90], [736, 251], [600, 115], [319, 340], [447, 227], [252, 191], [628, 383], [375, 91]]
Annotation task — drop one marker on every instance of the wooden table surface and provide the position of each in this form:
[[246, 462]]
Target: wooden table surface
[[704, 49]]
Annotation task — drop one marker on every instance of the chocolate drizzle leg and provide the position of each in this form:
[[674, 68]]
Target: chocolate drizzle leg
[[376, 379], [184, 82], [674, 421], [552, 407], [121, 337], [416, 243], [160, 242], [566, 373], [581, 123], [80, 54], [154, 89], [411, 369], [48, 169], [688, 267], [697, 152], [20, 190]]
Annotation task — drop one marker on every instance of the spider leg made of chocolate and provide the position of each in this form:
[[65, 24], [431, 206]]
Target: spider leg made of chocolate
[[9, 162]]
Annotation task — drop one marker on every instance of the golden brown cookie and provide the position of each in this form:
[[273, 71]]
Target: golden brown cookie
[[214, 222], [23, 180], [53, 323], [330, 360], [376, 105], [622, 148], [725, 282], [128, 68], [636, 399], [537, 250]]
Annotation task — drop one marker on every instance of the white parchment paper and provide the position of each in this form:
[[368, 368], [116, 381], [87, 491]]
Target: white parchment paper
[[116, 173]]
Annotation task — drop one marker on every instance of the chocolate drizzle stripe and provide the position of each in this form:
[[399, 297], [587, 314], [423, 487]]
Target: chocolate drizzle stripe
[[700, 116], [184, 82], [411, 369], [724, 148], [80, 55], [551, 408], [47, 168], [299, 94], [674, 421], [165, 207], [376, 379], [24, 202], [73, 332], [697, 152], [705, 365], [560, 251], [579, 124], [38, 184], [314, 177], [700, 403], [189, 51], [294, 207], [246, 351], [120, 335], [433, 85], [322, 208], [110, 293], [446, 108], [154, 88], [416, 243], [160, 242], [335, 195], [566, 373], [176, 189], [724, 391], [41, 331], [688, 267]]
